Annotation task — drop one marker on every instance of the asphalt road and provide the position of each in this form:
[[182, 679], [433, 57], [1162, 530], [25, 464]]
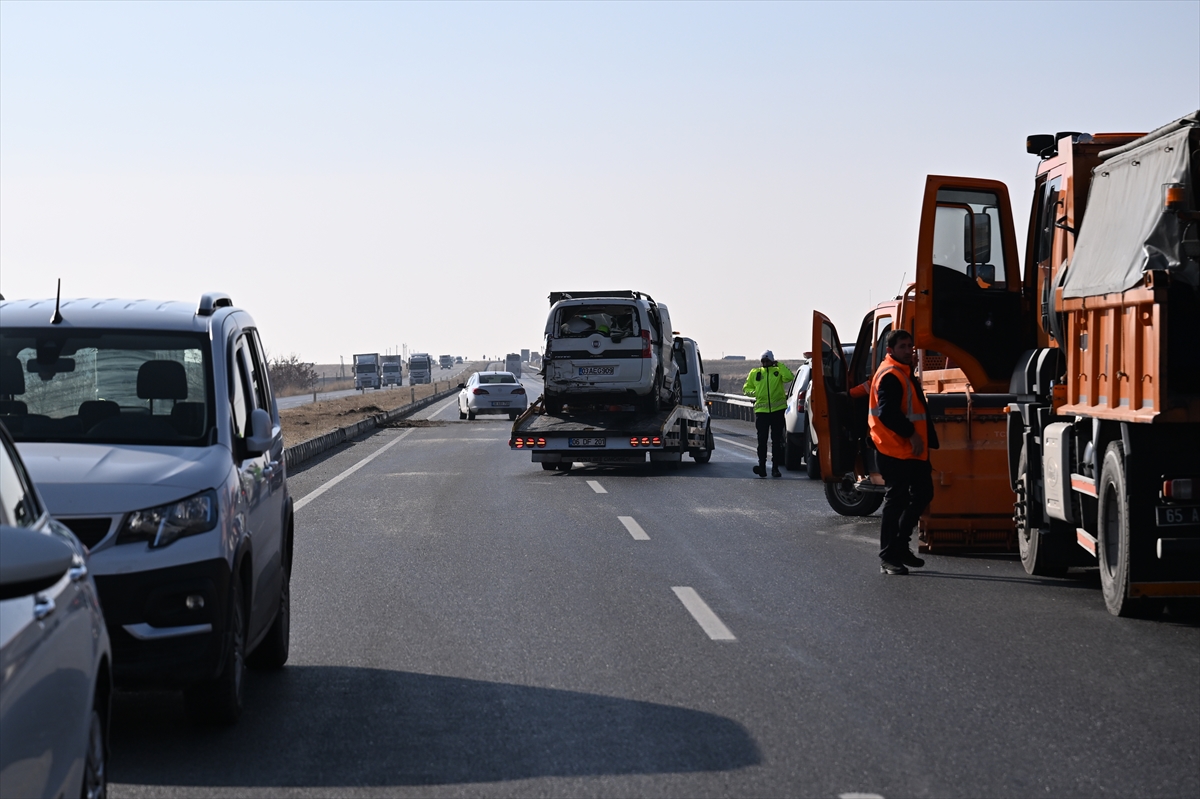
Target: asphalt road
[[466, 624], [297, 400]]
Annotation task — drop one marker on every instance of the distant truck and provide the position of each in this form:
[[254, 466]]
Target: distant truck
[[367, 373], [622, 434], [393, 370], [446, 361], [420, 368], [512, 363]]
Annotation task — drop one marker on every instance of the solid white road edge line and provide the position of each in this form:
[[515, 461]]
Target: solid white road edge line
[[634, 528], [736, 443], [702, 613], [444, 406], [313, 495], [595, 484]]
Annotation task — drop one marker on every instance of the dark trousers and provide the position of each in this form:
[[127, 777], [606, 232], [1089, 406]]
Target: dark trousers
[[770, 423], [909, 492]]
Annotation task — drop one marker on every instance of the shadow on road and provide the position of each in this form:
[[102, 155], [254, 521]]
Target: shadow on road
[[339, 726]]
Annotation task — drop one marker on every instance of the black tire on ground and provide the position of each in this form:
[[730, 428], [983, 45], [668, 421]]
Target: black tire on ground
[[1112, 544], [792, 452], [549, 467], [512, 416], [95, 764], [1040, 553], [849, 501], [565, 466], [462, 414], [812, 458], [220, 700], [471, 415], [705, 455], [272, 651]]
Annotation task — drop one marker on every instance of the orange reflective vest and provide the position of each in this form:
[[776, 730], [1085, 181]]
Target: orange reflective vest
[[887, 440]]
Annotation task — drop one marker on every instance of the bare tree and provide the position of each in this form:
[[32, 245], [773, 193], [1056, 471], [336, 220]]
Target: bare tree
[[291, 372]]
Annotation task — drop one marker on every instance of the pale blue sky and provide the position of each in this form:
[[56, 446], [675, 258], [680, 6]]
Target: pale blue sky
[[362, 175]]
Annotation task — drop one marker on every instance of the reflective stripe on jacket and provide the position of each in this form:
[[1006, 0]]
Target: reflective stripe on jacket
[[887, 440], [768, 386]]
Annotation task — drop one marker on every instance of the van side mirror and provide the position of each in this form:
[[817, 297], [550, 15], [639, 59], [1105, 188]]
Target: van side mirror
[[259, 440]]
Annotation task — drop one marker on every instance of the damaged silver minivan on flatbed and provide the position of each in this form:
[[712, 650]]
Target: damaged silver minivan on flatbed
[[608, 348]]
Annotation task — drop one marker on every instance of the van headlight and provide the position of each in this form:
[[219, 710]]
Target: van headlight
[[162, 525]]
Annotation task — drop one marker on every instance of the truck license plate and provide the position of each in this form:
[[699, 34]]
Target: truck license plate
[[588, 442], [597, 370], [498, 404], [1179, 517]]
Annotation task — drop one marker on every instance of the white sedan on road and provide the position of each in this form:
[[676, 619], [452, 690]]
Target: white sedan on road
[[492, 392]]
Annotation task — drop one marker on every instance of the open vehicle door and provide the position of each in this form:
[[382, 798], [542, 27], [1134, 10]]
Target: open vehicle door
[[830, 400], [969, 303]]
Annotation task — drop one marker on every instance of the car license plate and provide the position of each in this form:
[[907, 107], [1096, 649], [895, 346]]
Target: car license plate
[[597, 370], [588, 442], [1179, 516], [498, 404]]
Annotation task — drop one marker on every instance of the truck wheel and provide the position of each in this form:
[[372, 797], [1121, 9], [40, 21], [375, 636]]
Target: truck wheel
[[849, 501], [1112, 545], [549, 467], [812, 458], [565, 466], [705, 455], [791, 453], [219, 701], [1040, 553]]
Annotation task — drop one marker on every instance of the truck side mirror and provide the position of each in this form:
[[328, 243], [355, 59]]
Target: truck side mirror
[[714, 382], [986, 273], [977, 238]]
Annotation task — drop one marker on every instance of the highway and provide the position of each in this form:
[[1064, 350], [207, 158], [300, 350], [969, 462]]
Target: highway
[[466, 624], [297, 400]]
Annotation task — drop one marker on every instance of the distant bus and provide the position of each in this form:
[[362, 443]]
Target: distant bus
[[512, 363]]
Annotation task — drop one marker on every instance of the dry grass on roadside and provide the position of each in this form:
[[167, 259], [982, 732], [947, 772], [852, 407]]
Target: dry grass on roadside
[[318, 418]]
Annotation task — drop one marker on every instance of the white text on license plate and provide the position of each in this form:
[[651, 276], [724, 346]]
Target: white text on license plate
[[587, 442], [499, 404], [597, 370]]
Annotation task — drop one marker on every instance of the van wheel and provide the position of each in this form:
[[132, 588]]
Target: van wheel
[[272, 653], [219, 701], [1112, 546], [791, 453], [812, 458], [849, 501], [95, 765]]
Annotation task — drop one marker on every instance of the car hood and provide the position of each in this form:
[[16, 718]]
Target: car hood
[[113, 478]]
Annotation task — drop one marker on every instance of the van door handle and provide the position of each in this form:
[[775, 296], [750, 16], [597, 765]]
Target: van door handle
[[42, 607]]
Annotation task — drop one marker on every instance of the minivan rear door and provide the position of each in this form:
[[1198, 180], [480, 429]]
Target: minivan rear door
[[830, 400], [599, 343]]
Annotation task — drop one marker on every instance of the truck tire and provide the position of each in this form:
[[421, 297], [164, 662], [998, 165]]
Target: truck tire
[[549, 467], [1112, 526], [705, 455], [1040, 553], [565, 466], [812, 459], [792, 454], [847, 500]]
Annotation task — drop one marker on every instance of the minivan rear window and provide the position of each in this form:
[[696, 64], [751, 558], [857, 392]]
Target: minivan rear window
[[613, 321], [106, 386]]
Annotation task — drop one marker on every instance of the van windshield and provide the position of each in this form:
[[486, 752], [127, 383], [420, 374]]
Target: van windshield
[[106, 386], [613, 321]]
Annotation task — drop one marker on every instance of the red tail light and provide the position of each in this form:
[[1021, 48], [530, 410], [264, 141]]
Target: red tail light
[[517, 391], [633, 442], [656, 441], [541, 442], [518, 443], [645, 343], [481, 391], [1177, 489], [529, 442], [645, 441]]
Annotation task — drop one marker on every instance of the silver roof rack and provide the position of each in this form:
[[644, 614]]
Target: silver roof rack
[[211, 301]]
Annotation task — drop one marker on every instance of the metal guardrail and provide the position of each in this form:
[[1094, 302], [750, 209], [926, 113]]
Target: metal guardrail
[[730, 406], [306, 450]]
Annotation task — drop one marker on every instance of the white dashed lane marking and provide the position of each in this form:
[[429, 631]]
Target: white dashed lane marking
[[300, 503], [703, 614], [634, 528], [595, 484]]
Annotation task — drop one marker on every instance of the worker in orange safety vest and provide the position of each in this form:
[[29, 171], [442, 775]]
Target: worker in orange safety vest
[[902, 434]]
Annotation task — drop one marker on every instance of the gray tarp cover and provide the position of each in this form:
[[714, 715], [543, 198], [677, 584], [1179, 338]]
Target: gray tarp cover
[[1125, 231]]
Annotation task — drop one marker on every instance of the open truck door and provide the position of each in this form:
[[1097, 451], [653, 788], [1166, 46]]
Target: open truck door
[[969, 304], [830, 400]]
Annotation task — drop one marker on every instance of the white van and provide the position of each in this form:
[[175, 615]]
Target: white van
[[608, 348]]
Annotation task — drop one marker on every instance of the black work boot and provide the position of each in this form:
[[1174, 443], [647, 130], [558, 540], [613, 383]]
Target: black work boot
[[775, 471], [761, 470], [887, 567], [909, 559]]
